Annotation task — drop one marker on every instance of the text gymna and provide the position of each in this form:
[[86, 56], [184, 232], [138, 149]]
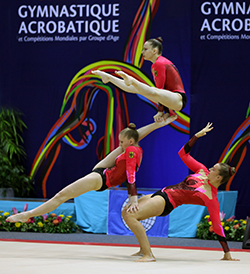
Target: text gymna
[[233, 7]]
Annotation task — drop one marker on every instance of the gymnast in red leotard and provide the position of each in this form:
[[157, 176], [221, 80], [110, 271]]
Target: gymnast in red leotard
[[199, 188], [169, 92], [166, 77], [118, 166]]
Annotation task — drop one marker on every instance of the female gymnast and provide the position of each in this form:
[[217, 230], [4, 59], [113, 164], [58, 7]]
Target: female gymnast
[[117, 167], [169, 92], [199, 188]]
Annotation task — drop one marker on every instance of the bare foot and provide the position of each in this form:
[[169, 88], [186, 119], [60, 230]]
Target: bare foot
[[128, 80], [105, 76], [139, 253], [147, 258], [20, 217]]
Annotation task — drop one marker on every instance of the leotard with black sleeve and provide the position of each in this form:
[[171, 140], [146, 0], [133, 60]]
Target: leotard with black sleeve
[[196, 189]]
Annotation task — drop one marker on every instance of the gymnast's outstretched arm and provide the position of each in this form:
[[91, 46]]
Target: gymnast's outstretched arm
[[109, 160], [144, 131]]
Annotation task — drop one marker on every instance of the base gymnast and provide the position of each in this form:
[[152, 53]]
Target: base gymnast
[[199, 188], [117, 167], [169, 91]]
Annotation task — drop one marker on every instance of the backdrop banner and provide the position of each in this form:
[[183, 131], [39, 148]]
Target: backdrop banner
[[73, 119], [92, 211], [155, 226], [220, 89]]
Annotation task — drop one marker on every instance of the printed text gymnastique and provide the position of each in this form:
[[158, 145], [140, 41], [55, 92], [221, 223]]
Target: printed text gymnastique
[[225, 16], [98, 19]]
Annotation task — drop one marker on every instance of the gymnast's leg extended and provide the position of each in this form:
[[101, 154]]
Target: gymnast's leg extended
[[172, 100], [92, 181], [106, 78]]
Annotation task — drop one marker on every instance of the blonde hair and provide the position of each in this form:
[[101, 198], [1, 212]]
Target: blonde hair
[[226, 171], [131, 132]]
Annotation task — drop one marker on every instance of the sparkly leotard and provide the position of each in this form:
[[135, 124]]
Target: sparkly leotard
[[197, 190], [166, 76]]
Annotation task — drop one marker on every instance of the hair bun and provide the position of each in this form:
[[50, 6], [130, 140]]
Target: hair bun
[[132, 126], [231, 171], [159, 39]]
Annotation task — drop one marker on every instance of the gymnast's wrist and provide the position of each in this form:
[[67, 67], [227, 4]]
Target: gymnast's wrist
[[133, 199]]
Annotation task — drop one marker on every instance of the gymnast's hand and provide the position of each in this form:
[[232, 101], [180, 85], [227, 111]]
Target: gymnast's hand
[[132, 205], [204, 131], [166, 120], [158, 117]]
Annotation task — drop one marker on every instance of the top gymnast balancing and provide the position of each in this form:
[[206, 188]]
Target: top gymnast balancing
[[117, 167], [199, 188], [169, 92]]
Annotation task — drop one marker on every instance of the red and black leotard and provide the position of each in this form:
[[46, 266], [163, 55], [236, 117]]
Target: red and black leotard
[[197, 190], [126, 165], [166, 76]]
